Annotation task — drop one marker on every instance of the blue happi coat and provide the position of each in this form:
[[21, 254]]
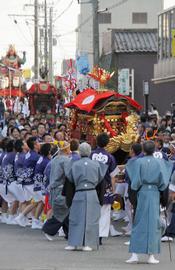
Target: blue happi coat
[[46, 179], [39, 172], [8, 173], [30, 161], [148, 177], [101, 155], [2, 154], [19, 167]]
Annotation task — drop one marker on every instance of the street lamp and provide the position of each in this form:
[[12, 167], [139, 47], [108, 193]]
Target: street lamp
[[146, 96]]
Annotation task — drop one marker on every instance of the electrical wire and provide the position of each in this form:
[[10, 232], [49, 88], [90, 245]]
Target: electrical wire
[[83, 23], [106, 9], [116, 5], [61, 48], [21, 32], [57, 3], [88, 18], [27, 23], [70, 4]]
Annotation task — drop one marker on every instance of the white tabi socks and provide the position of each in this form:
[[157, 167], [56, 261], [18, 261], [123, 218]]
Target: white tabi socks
[[152, 260], [134, 258]]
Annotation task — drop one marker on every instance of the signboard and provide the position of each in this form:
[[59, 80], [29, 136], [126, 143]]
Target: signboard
[[145, 88], [123, 81], [173, 42]]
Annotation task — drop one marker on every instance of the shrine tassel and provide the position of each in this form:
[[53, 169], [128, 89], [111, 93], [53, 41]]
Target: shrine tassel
[[108, 127]]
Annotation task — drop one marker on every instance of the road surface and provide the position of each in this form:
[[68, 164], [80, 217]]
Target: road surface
[[27, 249]]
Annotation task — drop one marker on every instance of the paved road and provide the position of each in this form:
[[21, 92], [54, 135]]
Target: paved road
[[26, 249]]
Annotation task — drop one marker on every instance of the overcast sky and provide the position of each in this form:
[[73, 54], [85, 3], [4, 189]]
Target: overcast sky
[[169, 3], [21, 32]]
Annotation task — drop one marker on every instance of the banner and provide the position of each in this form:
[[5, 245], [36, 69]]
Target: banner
[[173, 42], [123, 81], [82, 63]]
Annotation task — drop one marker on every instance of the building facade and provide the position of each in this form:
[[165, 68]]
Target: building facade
[[120, 14], [136, 49], [164, 69]]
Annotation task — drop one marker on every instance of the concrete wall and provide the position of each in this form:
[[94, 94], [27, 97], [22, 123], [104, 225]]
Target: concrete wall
[[162, 95], [121, 18]]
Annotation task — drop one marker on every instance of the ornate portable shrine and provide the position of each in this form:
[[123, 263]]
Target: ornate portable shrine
[[103, 110], [11, 73], [42, 98]]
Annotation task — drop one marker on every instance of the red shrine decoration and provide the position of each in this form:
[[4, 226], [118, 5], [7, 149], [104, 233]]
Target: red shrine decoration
[[103, 110], [42, 97], [87, 100], [11, 73]]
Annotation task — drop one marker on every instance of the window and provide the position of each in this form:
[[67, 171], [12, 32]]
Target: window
[[139, 18], [166, 41], [104, 18]]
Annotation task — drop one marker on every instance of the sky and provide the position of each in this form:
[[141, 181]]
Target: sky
[[169, 3], [21, 32]]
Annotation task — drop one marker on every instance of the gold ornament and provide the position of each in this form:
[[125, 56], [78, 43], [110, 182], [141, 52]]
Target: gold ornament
[[125, 140]]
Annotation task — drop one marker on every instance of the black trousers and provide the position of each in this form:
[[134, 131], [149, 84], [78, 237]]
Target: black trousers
[[52, 226], [170, 230]]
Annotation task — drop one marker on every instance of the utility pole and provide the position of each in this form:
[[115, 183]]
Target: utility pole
[[36, 64], [95, 32], [51, 45], [45, 40]]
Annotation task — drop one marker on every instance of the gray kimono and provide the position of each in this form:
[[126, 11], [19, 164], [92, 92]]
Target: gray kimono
[[57, 180], [85, 209], [172, 183]]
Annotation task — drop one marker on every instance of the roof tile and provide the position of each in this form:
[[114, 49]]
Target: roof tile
[[135, 40]]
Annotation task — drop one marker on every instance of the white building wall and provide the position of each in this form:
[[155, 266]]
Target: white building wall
[[121, 18]]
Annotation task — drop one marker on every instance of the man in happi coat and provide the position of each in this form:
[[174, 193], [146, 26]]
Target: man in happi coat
[[102, 156], [9, 180], [85, 174], [26, 178], [149, 176]]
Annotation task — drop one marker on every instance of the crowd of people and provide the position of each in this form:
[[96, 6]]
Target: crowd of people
[[60, 185]]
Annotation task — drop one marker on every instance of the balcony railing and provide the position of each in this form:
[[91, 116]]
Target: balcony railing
[[164, 70]]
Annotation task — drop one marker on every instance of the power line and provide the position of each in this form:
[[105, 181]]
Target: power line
[[21, 32], [62, 48], [57, 3], [83, 23], [116, 5], [27, 23], [106, 9], [88, 18], [70, 4], [65, 34]]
